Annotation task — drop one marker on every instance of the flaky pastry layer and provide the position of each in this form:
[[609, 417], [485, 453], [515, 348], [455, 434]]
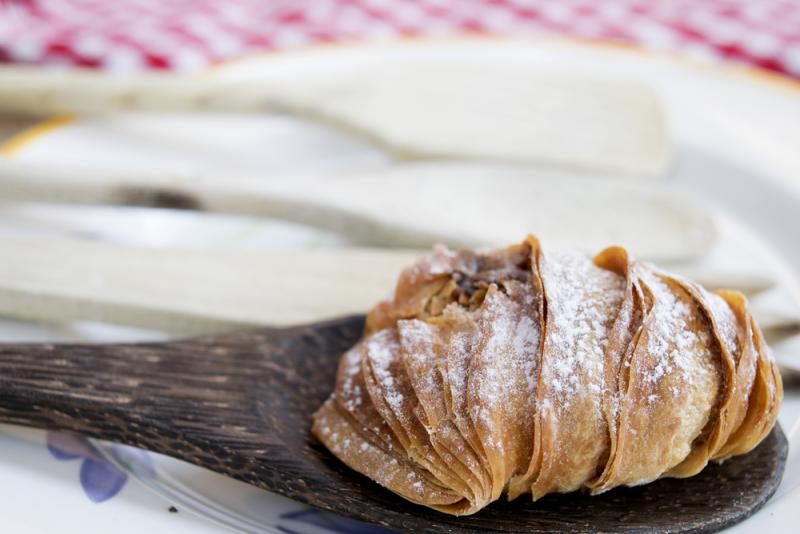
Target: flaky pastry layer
[[531, 370]]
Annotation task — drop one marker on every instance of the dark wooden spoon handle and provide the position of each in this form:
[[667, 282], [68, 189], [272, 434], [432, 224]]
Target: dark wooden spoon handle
[[172, 397], [239, 404]]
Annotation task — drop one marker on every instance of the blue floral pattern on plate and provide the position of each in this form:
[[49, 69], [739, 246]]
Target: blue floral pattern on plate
[[99, 479]]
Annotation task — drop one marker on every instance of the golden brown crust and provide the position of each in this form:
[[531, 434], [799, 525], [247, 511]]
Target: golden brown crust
[[530, 370]]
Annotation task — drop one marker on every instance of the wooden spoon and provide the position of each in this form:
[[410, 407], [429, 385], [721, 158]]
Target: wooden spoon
[[241, 404], [410, 205], [426, 108]]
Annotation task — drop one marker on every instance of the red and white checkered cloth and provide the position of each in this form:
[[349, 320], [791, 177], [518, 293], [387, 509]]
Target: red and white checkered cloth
[[189, 34]]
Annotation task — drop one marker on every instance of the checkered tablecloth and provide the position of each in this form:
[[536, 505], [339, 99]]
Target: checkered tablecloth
[[187, 35]]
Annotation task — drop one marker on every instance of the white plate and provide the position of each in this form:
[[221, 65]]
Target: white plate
[[738, 140]]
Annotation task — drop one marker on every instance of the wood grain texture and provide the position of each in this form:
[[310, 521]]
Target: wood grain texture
[[402, 205], [407, 108], [241, 404], [190, 292]]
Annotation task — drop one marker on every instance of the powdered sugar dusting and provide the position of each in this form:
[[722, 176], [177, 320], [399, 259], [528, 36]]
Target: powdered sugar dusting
[[672, 340], [582, 300], [457, 353], [350, 391], [419, 339], [420, 348], [382, 349], [503, 374]]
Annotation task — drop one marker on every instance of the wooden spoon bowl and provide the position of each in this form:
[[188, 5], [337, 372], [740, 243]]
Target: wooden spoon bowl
[[241, 404]]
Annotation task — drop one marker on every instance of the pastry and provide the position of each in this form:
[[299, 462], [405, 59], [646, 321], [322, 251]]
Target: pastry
[[531, 370]]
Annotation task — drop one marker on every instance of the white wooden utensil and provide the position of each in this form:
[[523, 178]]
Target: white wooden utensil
[[196, 291], [475, 110], [413, 205], [189, 291]]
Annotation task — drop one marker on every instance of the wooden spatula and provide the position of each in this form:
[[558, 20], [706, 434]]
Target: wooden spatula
[[434, 108], [241, 404], [412, 205]]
